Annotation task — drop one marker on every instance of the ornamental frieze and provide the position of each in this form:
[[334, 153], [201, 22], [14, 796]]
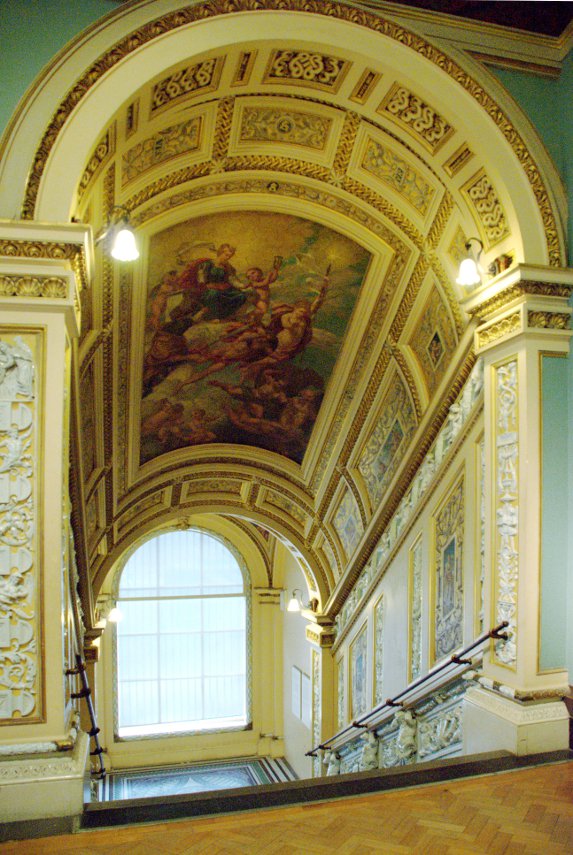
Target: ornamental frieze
[[49, 287]]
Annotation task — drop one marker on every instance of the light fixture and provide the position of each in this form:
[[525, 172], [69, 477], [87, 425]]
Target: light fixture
[[295, 602], [470, 270], [115, 615], [124, 246]]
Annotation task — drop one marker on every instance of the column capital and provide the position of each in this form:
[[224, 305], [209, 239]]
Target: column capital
[[523, 300], [43, 267]]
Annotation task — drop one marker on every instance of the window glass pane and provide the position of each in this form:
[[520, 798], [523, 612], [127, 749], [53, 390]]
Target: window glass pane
[[181, 655], [138, 617], [224, 613], [138, 702], [139, 658], [179, 615]]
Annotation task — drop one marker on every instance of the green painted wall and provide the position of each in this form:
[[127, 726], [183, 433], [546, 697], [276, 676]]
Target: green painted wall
[[32, 32]]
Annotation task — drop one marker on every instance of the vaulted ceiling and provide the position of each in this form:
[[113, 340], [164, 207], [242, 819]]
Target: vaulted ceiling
[[297, 400]]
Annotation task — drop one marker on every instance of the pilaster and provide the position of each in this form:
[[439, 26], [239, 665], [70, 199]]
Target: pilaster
[[522, 315], [42, 271], [320, 634]]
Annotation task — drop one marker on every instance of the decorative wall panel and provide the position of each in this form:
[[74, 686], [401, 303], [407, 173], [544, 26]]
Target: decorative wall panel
[[448, 586], [341, 698], [162, 146], [304, 68], [507, 508], [348, 523], [271, 124], [20, 567], [433, 340], [415, 116], [379, 652], [359, 674], [483, 197], [398, 174], [385, 447], [187, 82], [415, 594], [316, 707]]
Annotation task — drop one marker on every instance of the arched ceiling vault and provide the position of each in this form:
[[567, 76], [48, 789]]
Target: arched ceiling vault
[[363, 158]]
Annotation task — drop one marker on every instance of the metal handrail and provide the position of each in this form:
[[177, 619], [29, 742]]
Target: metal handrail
[[86, 692], [396, 701]]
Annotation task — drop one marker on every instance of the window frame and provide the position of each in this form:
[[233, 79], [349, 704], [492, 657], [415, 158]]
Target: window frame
[[247, 588]]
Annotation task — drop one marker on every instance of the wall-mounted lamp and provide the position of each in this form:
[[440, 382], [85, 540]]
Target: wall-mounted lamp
[[470, 271], [124, 246], [115, 615], [295, 604]]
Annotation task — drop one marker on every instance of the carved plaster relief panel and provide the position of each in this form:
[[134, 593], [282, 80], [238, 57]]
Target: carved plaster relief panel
[[341, 697], [447, 600], [304, 68], [20, 579], [507, 507], [188, 82], [316, 707], [433, 339], [483, 198], [394, 171], [415, 592], [359, 674], [164, 145], [385, 447], [276, 123], [379, 652], [104, 150], [408, 110], [348, 523]]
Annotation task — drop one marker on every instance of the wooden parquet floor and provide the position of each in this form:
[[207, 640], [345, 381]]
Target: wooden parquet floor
[[525, 812]]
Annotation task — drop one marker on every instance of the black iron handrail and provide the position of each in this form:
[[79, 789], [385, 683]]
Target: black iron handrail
[[86, 692], [397, 700]]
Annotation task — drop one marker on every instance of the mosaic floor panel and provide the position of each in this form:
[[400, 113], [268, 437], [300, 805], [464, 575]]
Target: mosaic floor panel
[[177, 780]]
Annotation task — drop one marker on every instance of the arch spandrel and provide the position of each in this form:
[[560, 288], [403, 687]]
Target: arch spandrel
[[388, 141]]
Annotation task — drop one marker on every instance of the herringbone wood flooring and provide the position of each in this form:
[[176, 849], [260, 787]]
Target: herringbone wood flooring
[[526, 812]]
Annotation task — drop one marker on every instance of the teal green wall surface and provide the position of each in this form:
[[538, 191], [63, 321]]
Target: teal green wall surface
[[32, 32], [554, 494]]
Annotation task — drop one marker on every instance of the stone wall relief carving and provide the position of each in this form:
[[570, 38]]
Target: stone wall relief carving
[[20, 617], [507, 508], [415, 610], [379, 652], [447, 584], [458, 417]]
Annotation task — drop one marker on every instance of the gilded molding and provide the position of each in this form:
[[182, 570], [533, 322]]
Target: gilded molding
[[458, 160], [99, 156], [377, 201], [506, 326], [223, 124], [39, 249], [159, 27], [440, 221], [164, 145], [48, 287], [346, 143], [390, 168], [521, 289], [271, 124], [549, 320], [407, 302]]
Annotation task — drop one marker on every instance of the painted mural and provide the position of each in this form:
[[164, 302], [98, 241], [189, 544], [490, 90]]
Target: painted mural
[[246, 314]]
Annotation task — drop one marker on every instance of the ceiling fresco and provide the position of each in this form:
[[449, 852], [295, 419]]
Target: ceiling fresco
[[246, 313]]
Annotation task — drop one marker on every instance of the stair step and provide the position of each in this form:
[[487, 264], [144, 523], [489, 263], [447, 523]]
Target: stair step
[[157, 809]]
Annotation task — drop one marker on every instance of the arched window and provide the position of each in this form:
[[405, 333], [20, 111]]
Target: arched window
[[181, 651]]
